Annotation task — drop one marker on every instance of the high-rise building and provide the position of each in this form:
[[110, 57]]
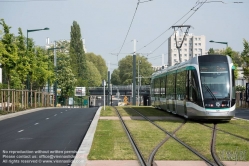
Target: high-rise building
[[192, 46]]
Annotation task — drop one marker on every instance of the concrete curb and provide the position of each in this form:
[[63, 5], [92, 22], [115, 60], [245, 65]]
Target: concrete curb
[[12, 115], [81, 156]]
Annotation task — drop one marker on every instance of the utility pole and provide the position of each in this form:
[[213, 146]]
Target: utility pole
[[55, 83], [108, 100], [134, 75]]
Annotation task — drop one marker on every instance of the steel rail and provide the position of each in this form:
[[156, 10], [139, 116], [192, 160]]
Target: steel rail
[[179, 141], [135, 147], [213, 150]]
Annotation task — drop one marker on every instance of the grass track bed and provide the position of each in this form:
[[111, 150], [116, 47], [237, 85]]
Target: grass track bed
[[111, 143], [230, 148], [146, 135], [109, 111], [197, 136]]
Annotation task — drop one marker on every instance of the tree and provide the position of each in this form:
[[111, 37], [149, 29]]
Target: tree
[[93, 75], [245, 56], [8, 56], [65, 78], [23, 66], [126, 69], [211, 51], [99, 63], [77, 55], [115, 79]]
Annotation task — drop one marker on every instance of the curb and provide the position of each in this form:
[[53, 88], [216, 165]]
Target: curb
[[84, 149]]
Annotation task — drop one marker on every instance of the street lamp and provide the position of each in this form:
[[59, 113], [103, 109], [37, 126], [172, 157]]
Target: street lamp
[[211, 41], [31, 30], [55, 65]]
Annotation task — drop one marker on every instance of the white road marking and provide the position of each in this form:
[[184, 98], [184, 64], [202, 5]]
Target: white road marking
[[20, 131], [36, 123], [47, 118], [66, 110], [55, 115], [61, 112]]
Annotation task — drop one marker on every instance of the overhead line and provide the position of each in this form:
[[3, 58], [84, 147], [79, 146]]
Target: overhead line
[[129, 27]]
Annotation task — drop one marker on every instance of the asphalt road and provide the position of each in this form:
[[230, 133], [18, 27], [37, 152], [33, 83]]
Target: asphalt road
[[46, 137], [242, 113]]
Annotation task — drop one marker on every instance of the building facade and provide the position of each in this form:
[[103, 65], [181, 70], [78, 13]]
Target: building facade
[[192, 46]]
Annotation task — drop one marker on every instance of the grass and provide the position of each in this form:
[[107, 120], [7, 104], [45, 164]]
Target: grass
[[147, 137], [110, 142], [197, 136], [239, 128], [229, 148], [3, 112], [109, 111]]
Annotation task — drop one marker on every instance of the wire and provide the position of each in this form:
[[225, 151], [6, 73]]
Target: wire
[[170, 26], [32, 0], [129, 27]]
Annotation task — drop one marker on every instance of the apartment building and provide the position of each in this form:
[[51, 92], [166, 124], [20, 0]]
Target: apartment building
[[192, 46]]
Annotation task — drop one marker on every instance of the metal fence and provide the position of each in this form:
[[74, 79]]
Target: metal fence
[[12, 100]]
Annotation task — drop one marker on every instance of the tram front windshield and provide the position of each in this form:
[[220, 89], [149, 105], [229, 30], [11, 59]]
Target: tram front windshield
[[214, 80]]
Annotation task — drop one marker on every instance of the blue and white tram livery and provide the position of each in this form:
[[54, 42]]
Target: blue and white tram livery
[[200, 88]]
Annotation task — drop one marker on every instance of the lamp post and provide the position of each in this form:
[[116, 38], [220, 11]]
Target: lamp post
[[211, 41], [55, 65], [31, 30]]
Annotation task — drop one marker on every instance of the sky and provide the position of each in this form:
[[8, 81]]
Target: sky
[[105, 23]]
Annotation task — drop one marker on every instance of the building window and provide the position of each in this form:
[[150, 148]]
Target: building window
[[191, 49], [174, 54], [190, 55], [195, 44], [199, 38], [199, 44], [185, 50], [195, 49], [195, 54], [185, 44], [180, 38], [195, 38], [185, 54], [200, 49], [199, 54]]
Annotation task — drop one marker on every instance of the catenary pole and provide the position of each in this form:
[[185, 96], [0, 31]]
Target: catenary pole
[[134, 75]]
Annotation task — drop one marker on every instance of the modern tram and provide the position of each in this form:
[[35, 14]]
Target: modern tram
[[200, 88]]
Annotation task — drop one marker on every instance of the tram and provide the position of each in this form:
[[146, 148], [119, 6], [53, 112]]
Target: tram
[[200, 88]]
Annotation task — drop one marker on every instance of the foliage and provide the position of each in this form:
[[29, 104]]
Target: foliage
[[125, 69], [93, 76], [65, 78], [245, 56], [77, 55], [8, 52], [99, 63], [240, 88], [211, 51], [115, 79]]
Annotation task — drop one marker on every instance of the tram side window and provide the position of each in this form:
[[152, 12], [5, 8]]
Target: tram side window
[[157, 87], [162, 83], [194, 91], [169, 86], [181, 85], [152, 88]]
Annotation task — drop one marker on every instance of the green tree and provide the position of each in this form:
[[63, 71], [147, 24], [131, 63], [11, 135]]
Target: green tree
[[8, 56], [23, 66], [99, 63], [77, 54], [65, 78], [93, 75], [245, 56], [115, 79], [126, 68], [211, 51]]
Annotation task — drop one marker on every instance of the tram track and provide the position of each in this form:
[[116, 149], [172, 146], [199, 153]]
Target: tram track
[[170, 135]]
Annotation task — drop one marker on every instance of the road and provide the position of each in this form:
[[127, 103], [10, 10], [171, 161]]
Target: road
[[242, 113], [50, 136]]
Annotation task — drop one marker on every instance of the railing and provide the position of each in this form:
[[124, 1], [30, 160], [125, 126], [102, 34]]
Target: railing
[[122, 87], [12, 100]]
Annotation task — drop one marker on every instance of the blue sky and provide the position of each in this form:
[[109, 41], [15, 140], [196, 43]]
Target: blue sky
[[104, 23]]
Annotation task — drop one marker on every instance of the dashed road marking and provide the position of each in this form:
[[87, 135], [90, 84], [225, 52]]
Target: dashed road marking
[[20, 131], [47, 118], [55, 115], [36, 124]]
